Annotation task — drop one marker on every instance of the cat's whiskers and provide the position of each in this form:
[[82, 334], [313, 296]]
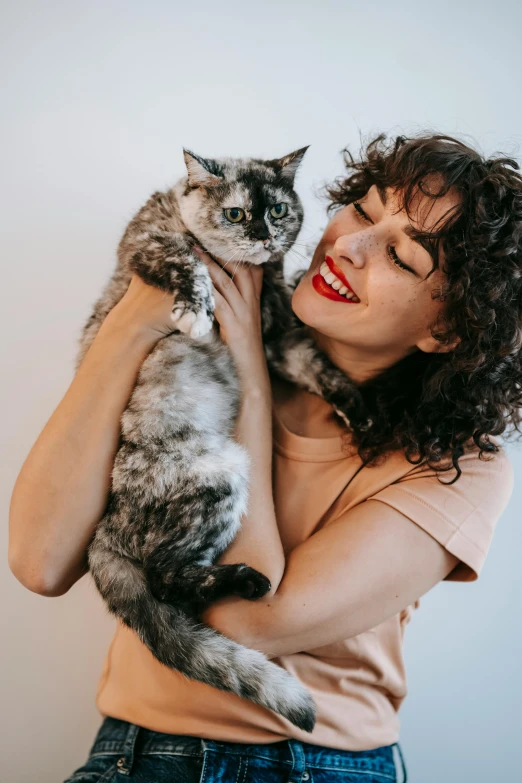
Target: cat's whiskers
[[307, 237], [234, 254], [300, 256], [302, 244], [298, 252], [303, 263], [238, 263]]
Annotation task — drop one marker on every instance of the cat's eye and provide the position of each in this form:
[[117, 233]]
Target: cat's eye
[[234, 214], [279, 210]]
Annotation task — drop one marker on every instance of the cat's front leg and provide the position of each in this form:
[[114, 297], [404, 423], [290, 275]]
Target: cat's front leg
[[166, 261], [194, 303], [198, 586]]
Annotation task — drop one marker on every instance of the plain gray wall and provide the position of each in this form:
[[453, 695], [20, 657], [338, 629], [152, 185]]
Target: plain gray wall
[[98, 98]]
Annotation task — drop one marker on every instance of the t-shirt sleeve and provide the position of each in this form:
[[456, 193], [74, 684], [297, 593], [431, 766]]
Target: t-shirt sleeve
[[460, 516]]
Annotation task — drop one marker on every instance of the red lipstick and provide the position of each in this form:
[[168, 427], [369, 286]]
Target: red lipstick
[[332, 266], [322, 287]]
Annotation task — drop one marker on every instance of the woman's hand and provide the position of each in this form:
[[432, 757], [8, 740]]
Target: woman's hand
[[238, 313], [145, 308]]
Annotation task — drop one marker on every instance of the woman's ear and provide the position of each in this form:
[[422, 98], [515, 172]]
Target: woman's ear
[[430, 345]]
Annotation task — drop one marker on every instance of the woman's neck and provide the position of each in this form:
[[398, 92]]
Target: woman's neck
[[303, 413], [359, 364]]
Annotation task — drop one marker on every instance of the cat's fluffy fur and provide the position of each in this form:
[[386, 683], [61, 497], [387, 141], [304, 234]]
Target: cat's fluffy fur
[[180, 482]]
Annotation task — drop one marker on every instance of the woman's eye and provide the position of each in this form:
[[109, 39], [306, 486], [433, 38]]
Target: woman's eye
[[397, 261], [391, 250], [360, 211], [234, 214], [279, 210]]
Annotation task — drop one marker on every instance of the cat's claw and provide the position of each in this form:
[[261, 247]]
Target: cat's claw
[[191, 323]]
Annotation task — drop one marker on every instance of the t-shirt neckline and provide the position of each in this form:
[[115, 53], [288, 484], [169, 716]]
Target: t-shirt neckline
[[305, 449]]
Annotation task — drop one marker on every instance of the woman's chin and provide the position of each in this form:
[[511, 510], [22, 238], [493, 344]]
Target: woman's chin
[[307, 305]]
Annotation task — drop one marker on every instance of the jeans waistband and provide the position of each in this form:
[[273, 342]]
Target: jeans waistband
[[127, 739]]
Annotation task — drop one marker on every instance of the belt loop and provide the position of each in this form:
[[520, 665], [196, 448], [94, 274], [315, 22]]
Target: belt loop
[[404, 776], [298, 773], [125, 762]]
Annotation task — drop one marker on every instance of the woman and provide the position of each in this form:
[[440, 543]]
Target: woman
[[368, 515]]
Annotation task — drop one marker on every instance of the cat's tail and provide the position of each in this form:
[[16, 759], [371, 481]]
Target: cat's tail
[[195, 650]]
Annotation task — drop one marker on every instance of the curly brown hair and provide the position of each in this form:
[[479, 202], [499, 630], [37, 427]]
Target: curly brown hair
[[434, 406]]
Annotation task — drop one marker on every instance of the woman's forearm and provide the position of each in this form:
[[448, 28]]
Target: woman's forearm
[[237, 310], [62, 488], [258, 543]]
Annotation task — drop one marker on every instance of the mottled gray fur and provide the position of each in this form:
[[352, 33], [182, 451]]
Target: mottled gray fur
[[180, 482]]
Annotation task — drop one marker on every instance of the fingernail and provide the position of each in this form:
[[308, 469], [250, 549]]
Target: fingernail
[[198, 249]]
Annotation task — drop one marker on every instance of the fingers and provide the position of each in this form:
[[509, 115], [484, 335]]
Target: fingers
[[246, 279], [221, 281], [221, 307], [246, 282], [257, 278]]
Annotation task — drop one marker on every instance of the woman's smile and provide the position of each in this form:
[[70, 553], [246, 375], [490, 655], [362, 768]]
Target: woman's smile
[[331, 283], [325, 289]]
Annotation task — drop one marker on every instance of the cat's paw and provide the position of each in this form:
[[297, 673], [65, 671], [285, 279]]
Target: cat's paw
[[250, 584], [195, 324]]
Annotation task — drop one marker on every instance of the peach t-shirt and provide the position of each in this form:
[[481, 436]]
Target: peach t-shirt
[[357, 684]]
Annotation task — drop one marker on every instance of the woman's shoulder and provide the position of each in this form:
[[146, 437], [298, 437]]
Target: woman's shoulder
[[475, 464], [481, 478], [497, 461], [460, 512]]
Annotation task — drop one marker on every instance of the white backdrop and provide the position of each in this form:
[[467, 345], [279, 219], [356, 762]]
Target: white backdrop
[[98, 98]]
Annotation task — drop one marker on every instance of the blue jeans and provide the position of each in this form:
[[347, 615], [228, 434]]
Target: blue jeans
[[125, 752]]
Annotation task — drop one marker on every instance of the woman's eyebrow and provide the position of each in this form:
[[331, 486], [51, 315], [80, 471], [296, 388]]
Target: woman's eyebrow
[[410, 231], [413, 234], [382, 194], [430, 246]]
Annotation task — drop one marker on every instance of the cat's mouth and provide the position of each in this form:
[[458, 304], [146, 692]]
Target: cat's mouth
[[259, 254]]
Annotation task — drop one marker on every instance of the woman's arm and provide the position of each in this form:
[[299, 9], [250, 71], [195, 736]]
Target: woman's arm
[[238, 312], [62, 488], [258, 542], [342, 581]]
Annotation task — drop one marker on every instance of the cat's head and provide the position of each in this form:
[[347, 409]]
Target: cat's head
[[242, 209]]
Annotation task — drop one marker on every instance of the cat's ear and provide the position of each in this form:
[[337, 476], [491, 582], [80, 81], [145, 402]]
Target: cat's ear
[[289, 164], [200, 173]]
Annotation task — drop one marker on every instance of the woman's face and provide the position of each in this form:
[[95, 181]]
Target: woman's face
[[393, 310]]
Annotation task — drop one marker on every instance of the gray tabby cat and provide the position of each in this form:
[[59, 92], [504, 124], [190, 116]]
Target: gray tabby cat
[[180, 482]]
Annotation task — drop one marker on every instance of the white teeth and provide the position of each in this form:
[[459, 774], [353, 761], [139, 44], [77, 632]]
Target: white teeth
[[336, 284]]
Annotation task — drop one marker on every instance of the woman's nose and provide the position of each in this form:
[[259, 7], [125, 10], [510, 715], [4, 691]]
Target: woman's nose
[[351, 248]]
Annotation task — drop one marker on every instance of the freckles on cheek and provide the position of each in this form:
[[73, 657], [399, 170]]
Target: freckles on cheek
[[396, 311]]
